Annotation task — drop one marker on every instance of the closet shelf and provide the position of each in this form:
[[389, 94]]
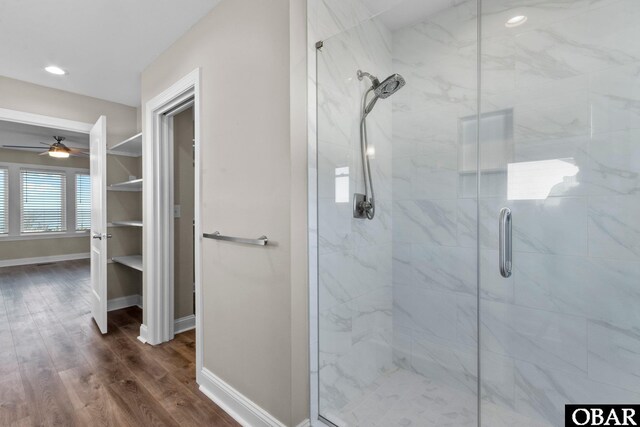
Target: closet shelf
[[134, 223], [133, 261], [131, 147], [133, 185]]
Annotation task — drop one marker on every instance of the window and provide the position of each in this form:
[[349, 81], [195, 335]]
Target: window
[[34, 202], [83, 202], [4, 203], [43, 201]]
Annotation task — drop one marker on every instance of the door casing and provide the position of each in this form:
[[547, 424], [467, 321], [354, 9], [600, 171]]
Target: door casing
[[158, 232]]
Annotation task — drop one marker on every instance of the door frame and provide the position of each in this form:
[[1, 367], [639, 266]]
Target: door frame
[[45, 121], [158, 233]]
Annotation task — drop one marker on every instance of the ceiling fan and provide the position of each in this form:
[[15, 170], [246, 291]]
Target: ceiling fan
[[57, 149]]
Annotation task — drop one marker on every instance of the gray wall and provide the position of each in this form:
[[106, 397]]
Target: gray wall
[[183, 227], [254, 313]]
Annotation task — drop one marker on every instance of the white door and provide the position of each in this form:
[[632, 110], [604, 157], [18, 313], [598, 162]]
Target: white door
[[98, 164]]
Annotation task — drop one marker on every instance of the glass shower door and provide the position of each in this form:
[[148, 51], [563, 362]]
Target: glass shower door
[[398, 292], [559, 147]]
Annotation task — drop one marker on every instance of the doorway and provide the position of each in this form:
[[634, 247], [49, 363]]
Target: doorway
[[159, 211], [184, 220]]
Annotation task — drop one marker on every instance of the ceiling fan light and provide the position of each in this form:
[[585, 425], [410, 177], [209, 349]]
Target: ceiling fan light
[[58, 153]]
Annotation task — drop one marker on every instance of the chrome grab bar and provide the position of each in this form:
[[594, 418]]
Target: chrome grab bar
[[260, 241], [505, 253]]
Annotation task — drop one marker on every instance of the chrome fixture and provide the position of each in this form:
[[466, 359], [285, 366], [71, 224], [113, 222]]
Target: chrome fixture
[[101, 236], [505, 238], [364, 204], [260, 241]]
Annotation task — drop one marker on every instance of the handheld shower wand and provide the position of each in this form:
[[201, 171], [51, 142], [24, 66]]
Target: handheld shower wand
[[364, 204]]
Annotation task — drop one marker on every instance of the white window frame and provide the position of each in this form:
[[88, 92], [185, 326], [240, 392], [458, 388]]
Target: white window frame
[[7, 199], [15, 203], [75, 205]]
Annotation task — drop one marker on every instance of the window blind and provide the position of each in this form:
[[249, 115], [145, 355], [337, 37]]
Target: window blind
[[4, 202], [83, 202], [43, 201]]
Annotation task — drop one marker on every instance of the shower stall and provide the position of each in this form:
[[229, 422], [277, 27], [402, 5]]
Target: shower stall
[[499, 278]]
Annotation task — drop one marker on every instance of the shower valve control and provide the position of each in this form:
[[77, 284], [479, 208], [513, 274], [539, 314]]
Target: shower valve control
[[361, 206]]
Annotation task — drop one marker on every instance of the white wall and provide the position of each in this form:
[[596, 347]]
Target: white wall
[[252, 313]]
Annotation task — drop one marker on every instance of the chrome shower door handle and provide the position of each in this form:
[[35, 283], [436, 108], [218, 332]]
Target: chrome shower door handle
[[505, 237]]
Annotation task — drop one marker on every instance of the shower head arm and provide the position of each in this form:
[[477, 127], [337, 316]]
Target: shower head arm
[[374, 79]]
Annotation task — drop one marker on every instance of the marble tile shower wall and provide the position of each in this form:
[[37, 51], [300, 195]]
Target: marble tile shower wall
[[566, 327], [434, 241], [354, 268]]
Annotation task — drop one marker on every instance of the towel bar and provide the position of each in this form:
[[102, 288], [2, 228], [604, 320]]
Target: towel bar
[[260, 241]]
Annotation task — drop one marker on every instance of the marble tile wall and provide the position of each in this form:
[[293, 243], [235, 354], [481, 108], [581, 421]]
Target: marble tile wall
[[401, 292], [434, 239], [565, 327], [354, 264]]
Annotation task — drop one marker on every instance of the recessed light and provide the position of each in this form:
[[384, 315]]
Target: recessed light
[[55, 70], [515, 21]]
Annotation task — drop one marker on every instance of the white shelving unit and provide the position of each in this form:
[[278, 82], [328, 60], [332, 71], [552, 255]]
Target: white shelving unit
[[129, 147], [133, 261], [133, 185]]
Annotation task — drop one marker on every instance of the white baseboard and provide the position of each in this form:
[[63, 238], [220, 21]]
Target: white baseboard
[[305, 423], [184, 324], [124, 302], [143, 334], [43, 259], [234, 403]]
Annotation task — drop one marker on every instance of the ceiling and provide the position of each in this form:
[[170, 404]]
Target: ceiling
[[103, 44], [12, 133]]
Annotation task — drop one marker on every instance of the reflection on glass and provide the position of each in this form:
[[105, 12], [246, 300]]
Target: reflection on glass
[[536, 180], [371, 152], [342, 185]]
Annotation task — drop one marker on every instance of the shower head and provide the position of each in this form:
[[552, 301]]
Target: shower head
[[389, 86], [383, 90]]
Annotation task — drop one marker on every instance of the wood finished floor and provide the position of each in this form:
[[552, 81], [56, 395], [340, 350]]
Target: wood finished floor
[[57, 369]]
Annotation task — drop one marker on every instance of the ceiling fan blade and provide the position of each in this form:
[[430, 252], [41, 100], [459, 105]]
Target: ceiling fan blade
[[22, 147], [77, 150], [79, 154]]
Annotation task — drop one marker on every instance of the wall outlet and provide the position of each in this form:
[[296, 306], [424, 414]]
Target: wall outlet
[[176, 211]]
